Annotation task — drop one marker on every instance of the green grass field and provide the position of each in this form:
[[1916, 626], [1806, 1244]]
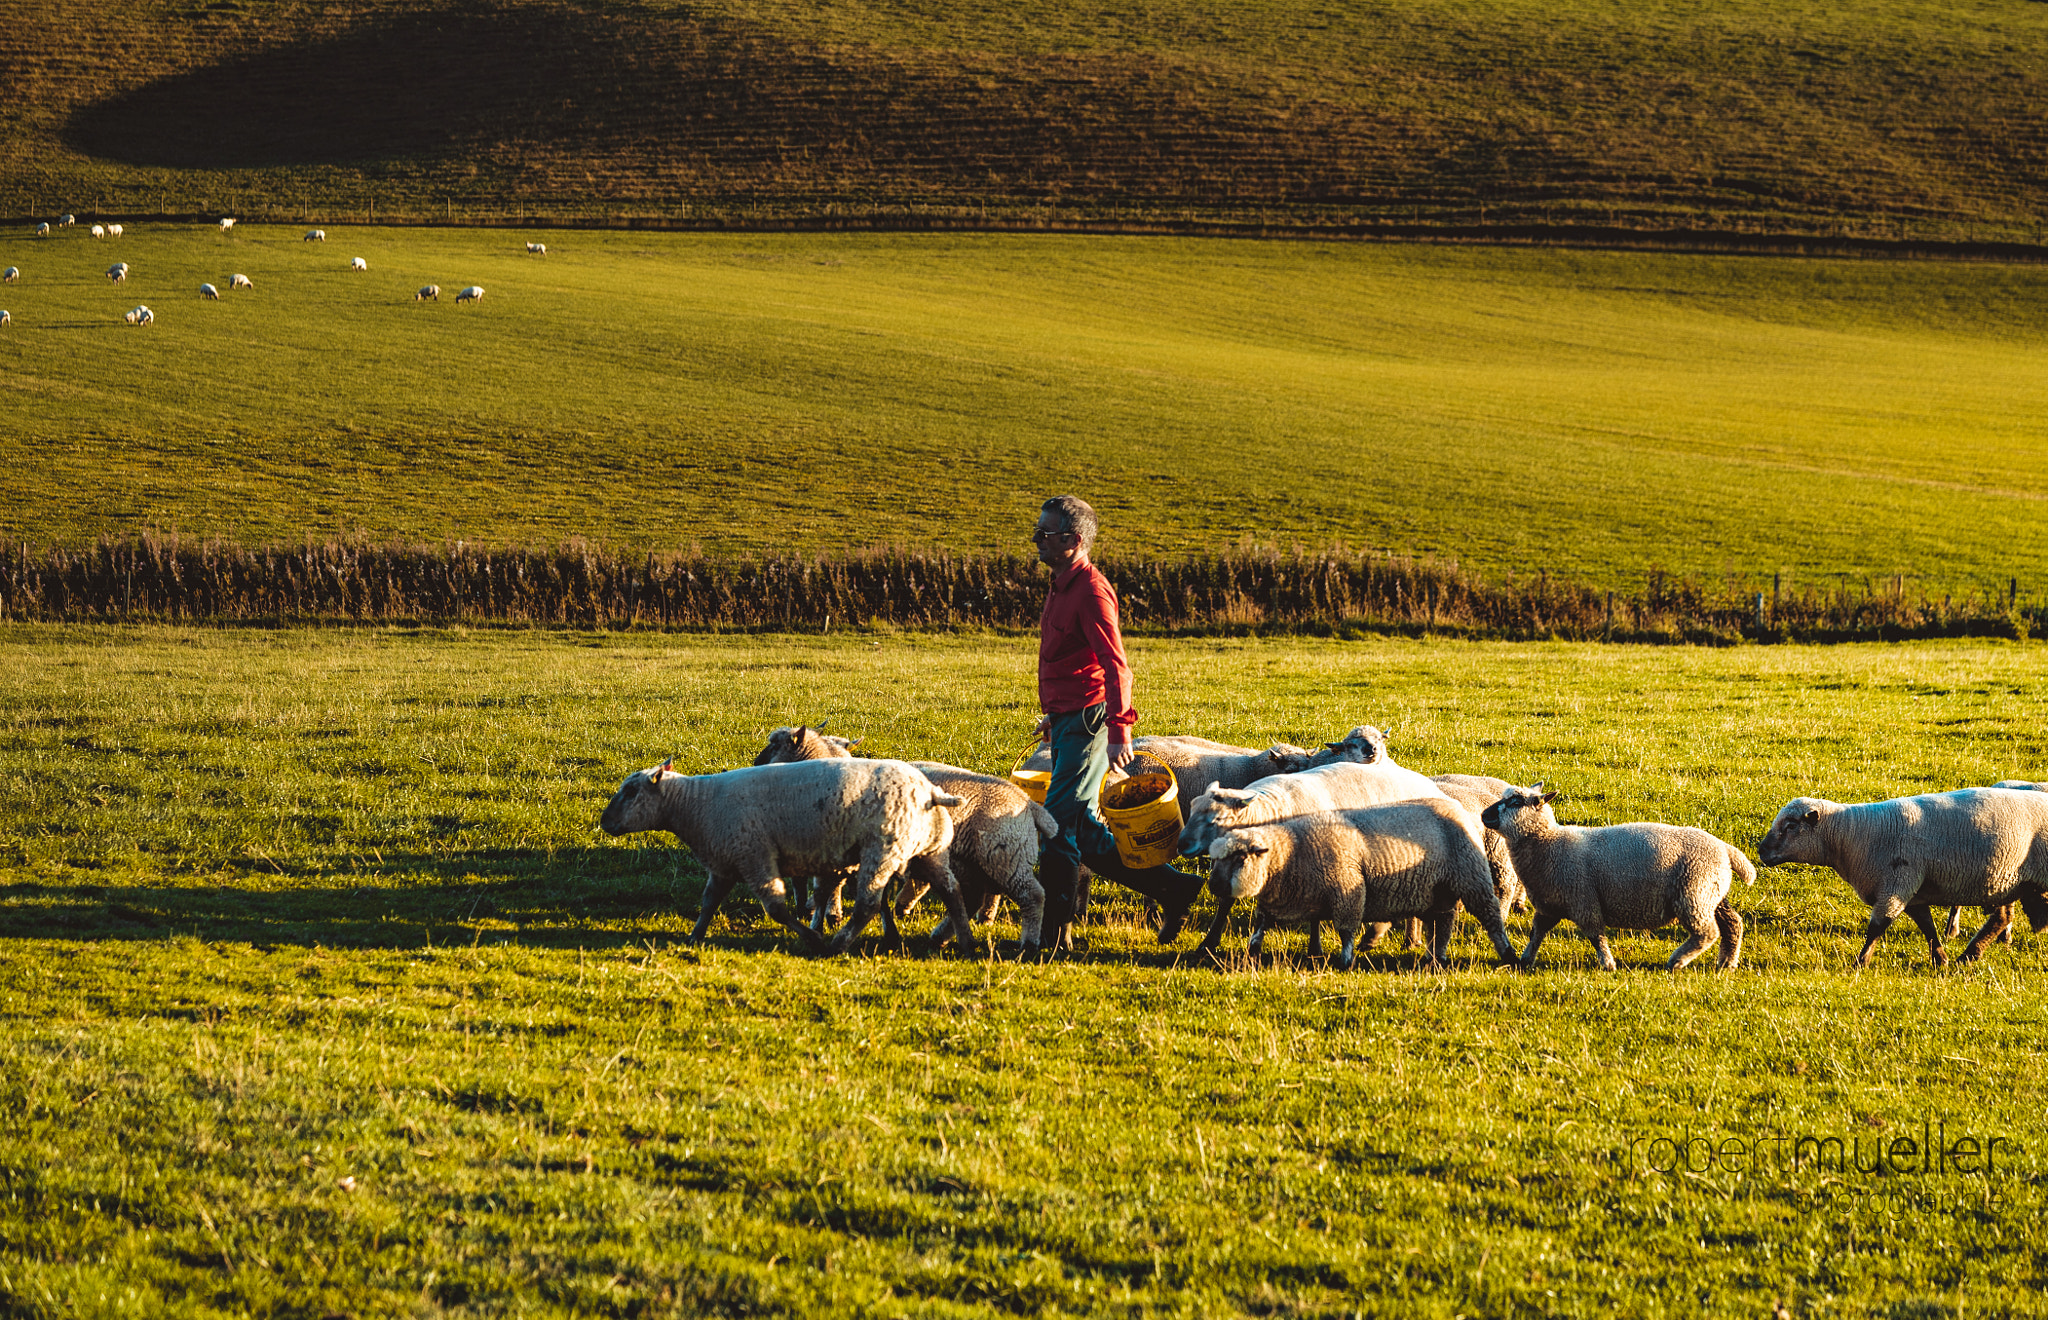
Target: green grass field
[[1586, 414], [323, 995], [1880, 117]]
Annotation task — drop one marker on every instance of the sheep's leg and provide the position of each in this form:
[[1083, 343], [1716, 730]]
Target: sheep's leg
[[1997, 921], [776, 900], [1315, 938], [932, 870], [2035, 905], [1030, 898], [716, 887], [877, 868], [1374, 932], [1923, 917], [1213, 941], [1347, 954], [1438, 949], [1686, 952], [1255, 946], [1539, 926], [1730, 923], [1594, 928], [2005, 936], [1955, 924], [1415, 933]]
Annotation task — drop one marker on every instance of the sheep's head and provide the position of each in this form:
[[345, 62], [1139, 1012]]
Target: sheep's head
[[637, 805], [1213, 812], [1283, 759], [804, 743], [1520, 811], [1241, 860], [1795, 835], [1364, 745]]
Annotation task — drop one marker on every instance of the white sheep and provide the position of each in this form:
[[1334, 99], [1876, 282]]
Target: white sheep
[[240, 282], [1420, 858], [811, 817], [473, 293], [208, 291], [432, 293], [98, 231], [6, 318], [315, 236], [227, 223], [43, 230], [12, 274], [537, 249], [1638, 876], [997, 833], [114, 231], [140, 315], [118, 271], [357, 263], [65, 221], [1974, 847]]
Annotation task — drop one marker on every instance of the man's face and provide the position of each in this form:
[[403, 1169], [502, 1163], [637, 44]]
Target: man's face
[[1057, 547]]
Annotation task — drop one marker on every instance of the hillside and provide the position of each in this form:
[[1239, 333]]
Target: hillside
[[1882, 118]]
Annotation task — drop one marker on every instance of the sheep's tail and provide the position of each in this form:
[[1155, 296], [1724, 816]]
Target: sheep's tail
[[1048, 828], [1738, 861]]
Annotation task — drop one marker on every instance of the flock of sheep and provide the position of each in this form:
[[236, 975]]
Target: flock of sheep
[[1341, 834], [142, 315]]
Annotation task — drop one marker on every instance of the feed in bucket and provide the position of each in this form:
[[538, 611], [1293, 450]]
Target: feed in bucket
[[1143, 812]]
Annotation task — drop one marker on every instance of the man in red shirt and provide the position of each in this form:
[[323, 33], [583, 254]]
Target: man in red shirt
[[1084, 688]]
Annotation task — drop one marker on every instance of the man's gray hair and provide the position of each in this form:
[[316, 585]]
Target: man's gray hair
[[1080, 518]]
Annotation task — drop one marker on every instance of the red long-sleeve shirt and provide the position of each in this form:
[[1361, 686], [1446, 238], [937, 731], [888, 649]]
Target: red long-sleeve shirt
[[1080, 650]]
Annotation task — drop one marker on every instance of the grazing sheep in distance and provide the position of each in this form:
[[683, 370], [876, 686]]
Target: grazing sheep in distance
[[758, 823], [432, 293], [1635, 877], [43, 229], [227, 223], [537, 249], [114, 231], [208, 291], [1974, 847], [357, 263], [140, 315], [240, 282], [315, 236], [474, 293], [64, 221], [6, 318], [13, 274], [99, 231], [118, 271], [1416, 858]]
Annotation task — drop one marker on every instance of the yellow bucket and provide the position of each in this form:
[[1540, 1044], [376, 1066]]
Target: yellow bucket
[[1143, 812], [1033, 782]]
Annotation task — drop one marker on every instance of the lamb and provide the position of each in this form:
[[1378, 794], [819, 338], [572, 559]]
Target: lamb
[[227, 223], [1976, 847], [99, 231], [429, 293], [118, 271], [473, 293], [1635, 877], [114, 231], [757, 823], [357, 263], [66, 221], [315, 236], [1416, 858], [998, 831], [208, 291], [12, 274], [537, 249], [240, 282], [43, 230]]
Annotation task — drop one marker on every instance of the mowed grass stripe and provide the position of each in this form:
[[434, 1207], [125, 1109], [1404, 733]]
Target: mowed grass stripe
[[284, 908], [1590, 414]]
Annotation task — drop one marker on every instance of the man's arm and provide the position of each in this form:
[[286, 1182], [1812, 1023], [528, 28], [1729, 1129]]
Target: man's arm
[[1099, 627]]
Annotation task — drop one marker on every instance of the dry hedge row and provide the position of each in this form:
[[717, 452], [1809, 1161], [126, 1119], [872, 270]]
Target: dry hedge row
[[153, 578]]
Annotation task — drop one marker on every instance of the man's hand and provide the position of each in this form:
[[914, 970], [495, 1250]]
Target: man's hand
[[1038, 730], [1120, 754]]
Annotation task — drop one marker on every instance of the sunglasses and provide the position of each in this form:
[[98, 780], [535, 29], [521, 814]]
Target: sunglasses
[[1040, 535]]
